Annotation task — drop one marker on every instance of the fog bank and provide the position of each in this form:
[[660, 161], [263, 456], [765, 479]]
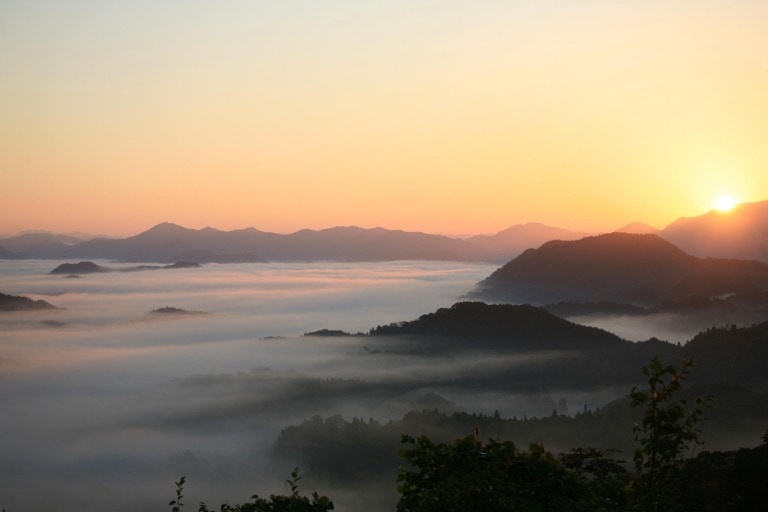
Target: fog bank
[[105, 404]]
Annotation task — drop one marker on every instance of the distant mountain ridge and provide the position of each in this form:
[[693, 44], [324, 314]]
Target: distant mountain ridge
[[741, 234], [638, 228], [510, 242], [618, 267], [38, 245], [170, 242]]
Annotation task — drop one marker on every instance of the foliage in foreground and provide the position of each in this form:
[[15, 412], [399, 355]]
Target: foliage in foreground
[[294, 502], [668, 429], [468, 474]]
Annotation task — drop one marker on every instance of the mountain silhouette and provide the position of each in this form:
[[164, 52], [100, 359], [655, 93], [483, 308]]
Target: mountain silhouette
[[20, 303], [503, 326], [740, 233], [38, 245], [510, 242], [83, 267], [5, 254], [582, 355], [618, 267], [638, 228], [89, 267], [170, 242]]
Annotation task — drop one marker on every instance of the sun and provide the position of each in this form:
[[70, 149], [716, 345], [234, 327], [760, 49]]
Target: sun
[[724, 203]]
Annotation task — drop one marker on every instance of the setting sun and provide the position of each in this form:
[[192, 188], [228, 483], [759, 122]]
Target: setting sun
[[724, 203]]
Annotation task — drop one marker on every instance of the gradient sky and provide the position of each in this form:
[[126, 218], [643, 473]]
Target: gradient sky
[[442, 116]]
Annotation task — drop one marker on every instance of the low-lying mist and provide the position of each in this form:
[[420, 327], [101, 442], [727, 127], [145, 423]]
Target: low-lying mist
[[109, 400], [105, 403], [672, 327]]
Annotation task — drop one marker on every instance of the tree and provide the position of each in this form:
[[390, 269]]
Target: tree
[[470, 475], [295, 502], [668, 429], [605, 476]]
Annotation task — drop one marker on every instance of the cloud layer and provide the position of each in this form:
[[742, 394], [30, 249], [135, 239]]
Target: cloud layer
[[105, 403]]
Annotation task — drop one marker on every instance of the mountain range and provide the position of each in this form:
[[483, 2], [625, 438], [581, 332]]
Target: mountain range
[[740, 234]]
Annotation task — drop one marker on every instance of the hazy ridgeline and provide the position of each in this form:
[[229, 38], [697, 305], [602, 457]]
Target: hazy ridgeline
[[105, 404]]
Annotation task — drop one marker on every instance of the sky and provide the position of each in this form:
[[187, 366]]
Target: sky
[[453, 117]]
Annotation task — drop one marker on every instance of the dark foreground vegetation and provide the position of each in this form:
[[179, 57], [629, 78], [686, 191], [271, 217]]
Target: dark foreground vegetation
[[496, 475]]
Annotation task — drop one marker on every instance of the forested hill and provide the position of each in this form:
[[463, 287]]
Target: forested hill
[[731, 354], [618, 267], [723, 354], [500, 326]]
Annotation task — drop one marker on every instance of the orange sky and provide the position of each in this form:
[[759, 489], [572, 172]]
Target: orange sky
[[446, 116]]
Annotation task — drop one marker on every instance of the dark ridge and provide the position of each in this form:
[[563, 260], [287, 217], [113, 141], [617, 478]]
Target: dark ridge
[[88, 267], [731, 354], [84, 267], [637, 269], [183, 264], [19, 303], [328, 333], [172, 311], [503, 326]]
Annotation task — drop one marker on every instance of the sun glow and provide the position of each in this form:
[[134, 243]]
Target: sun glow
[[724, 203]]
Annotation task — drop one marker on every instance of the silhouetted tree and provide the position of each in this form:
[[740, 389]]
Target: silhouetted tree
[[667, 430]]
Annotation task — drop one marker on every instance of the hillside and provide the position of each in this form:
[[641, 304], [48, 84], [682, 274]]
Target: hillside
[[19, 303], [639, 269], [83, 267], [5, 254], [503, 327]]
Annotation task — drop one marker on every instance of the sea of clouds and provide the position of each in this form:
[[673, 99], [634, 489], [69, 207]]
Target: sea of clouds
[[105, 405]]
